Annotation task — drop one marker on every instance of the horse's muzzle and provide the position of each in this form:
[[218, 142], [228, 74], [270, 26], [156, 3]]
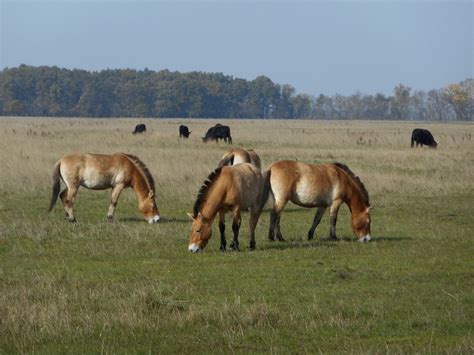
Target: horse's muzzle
[[194, 248], [154, 219], [365, 238]]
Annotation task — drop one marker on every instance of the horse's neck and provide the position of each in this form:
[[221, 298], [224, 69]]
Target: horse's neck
[[140, 186], [213, 202], [353, 197]]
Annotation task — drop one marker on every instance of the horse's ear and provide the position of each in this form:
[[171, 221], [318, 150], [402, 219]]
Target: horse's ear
[[370, 208], [151, 194], [190, 216]]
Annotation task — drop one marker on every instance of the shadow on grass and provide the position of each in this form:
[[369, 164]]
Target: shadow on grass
[[295, 244], [323, 242]]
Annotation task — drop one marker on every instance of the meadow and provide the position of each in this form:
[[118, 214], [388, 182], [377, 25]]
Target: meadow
[[130, 287]]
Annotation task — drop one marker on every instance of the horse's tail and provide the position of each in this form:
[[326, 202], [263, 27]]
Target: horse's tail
[[56, 186], [412, 140], [266, 188]]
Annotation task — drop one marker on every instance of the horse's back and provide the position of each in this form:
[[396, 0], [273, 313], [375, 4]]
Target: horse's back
[[243, 156], [247, 183], [304, 184], [95, 171]]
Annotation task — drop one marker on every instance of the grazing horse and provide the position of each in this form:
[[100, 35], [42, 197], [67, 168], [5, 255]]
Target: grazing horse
[[234, 188], [100, 172], [321, 186], [236, 156]]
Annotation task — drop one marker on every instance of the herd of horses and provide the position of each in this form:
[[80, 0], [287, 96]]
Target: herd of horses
[[236, 185]]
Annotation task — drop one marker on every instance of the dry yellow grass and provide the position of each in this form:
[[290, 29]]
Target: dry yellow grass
[[378, 151]]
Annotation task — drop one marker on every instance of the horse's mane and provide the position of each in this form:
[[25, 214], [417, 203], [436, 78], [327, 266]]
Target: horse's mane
[[202, 194], [359, 184], [142, 168]]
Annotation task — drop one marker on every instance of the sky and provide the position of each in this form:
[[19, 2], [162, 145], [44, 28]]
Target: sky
[[316, 46]]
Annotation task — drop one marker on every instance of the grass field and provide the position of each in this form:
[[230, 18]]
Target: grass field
[[128, 286]]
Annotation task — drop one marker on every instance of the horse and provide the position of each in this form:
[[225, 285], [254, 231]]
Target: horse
[[235, 188], [321, 186], [100, 172], [236, 156]]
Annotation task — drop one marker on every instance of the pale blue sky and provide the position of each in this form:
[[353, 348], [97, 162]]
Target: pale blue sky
[[317, 46]]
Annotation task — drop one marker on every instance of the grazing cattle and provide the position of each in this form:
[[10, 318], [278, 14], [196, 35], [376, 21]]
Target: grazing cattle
[[235, 156], [184, 131], [218, 132], [100, 172], [422, 137], [233, 189], [317, 185], [140, 128]]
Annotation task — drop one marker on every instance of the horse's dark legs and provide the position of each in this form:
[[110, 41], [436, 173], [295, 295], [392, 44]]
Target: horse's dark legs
[[222, 230], [254, 216], [333, 218], [235, 229], [113, 201], [275, 214], [317, 218]]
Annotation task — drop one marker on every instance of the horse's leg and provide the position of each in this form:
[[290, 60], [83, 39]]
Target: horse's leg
[[275, 215], [116, 191], [317, 218], [62, 196], [68, 201], [235, 229], [275, 219], [222, 229], [333, 210], [254, 216]]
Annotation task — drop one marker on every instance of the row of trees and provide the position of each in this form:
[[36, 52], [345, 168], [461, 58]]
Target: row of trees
[[52, 91]]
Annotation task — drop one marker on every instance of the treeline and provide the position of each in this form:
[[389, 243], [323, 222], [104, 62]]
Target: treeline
[[53, 91]]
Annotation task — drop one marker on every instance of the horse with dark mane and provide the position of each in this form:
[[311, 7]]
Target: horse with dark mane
[[317, 185], [236, 156], [100, 172], [233, 189]]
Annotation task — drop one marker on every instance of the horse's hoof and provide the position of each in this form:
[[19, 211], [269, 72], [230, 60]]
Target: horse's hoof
[[110, 218], [252, 247], [222, 248]]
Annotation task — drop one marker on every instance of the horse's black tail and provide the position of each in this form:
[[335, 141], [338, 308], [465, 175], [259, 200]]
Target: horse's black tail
[[266, 189], [229, 160], [56, 186], [412, 140]]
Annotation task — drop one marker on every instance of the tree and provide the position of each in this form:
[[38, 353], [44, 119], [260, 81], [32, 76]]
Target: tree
[[400, 102], [459, 98]]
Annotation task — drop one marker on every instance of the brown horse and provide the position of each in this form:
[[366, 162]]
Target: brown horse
[[321, 186], [236, 156], [100, 172], [234, 188]]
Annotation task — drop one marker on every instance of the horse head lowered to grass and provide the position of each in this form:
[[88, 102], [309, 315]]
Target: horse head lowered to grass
[[235, 188], [100, 172], [317, 185]]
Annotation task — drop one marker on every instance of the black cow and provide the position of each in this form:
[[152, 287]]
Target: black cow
[[218, 132], [423, 137], [140, 128], [184, 131]]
